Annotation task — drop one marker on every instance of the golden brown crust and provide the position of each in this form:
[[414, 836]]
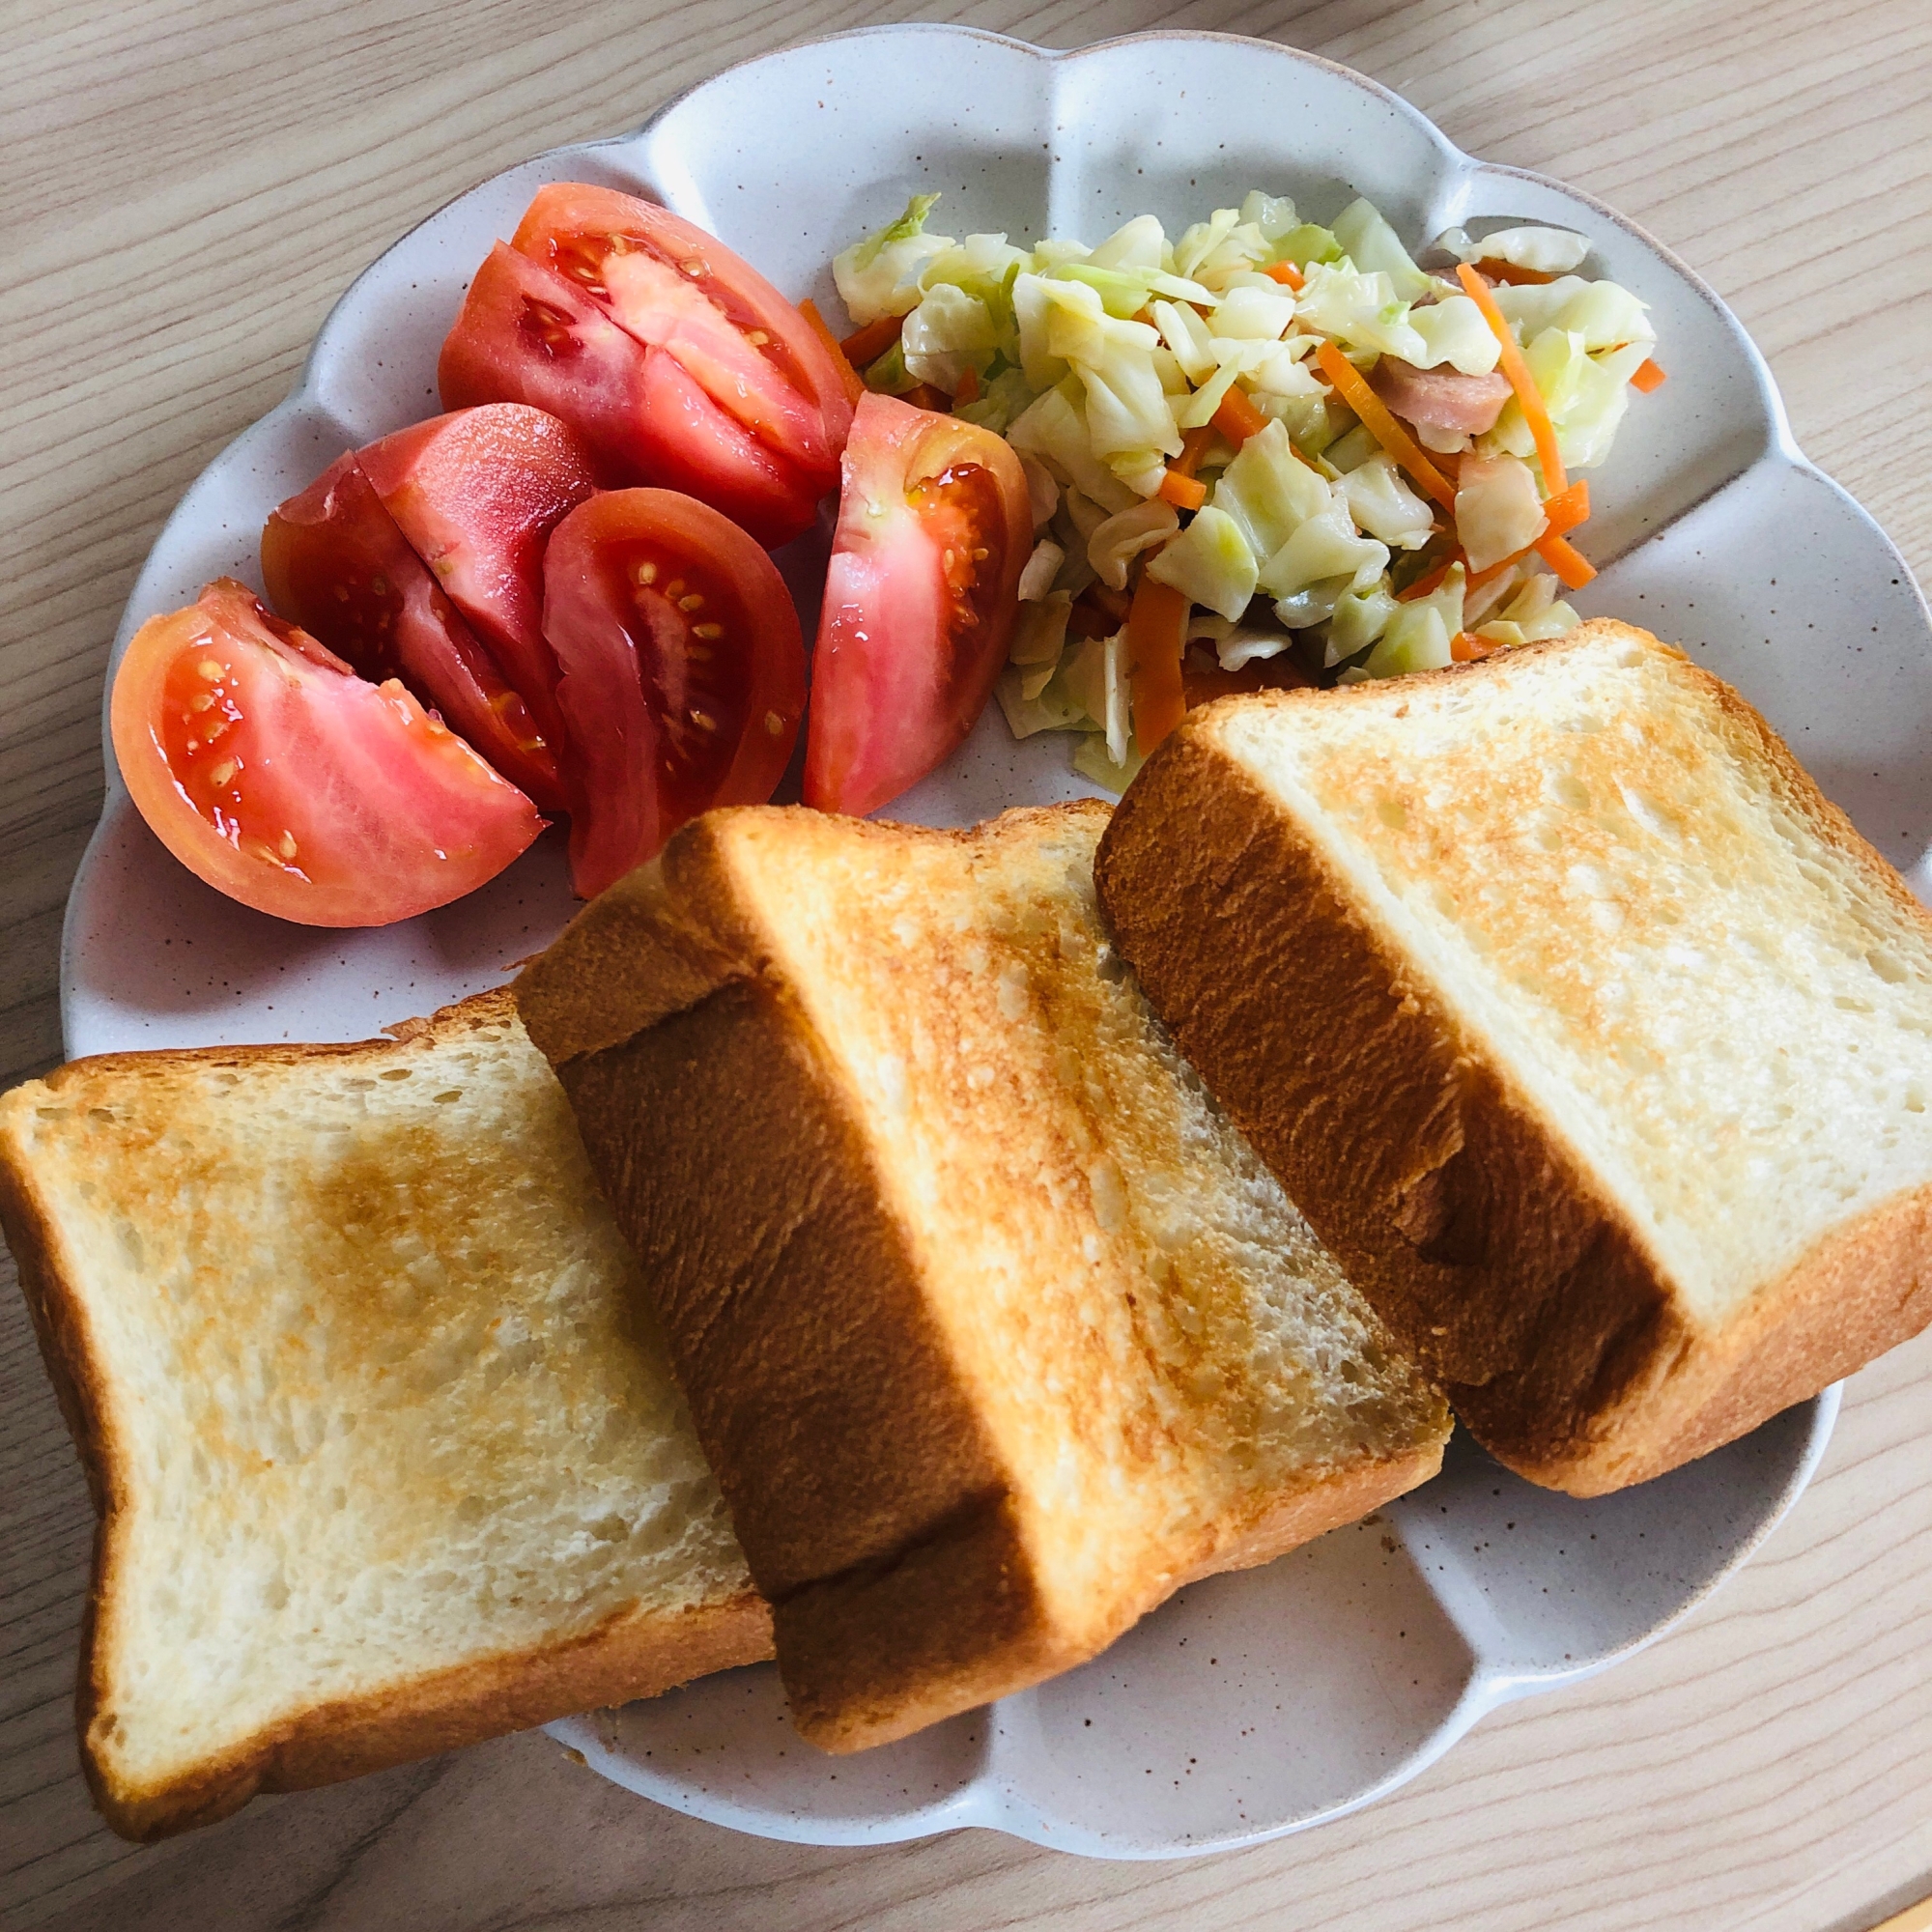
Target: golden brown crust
[[1484, 1240], [630, 1656]]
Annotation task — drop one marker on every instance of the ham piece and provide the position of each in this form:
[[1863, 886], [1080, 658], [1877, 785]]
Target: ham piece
[[1441, 398]]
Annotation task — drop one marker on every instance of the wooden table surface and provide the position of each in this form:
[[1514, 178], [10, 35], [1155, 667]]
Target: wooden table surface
[[190, 185]]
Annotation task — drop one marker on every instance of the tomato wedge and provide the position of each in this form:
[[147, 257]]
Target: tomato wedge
[[334, 563], [934, 527], [476, 495], [676, 360], [273, 772], [683, 672]]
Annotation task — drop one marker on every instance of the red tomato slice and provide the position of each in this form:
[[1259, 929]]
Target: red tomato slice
[[683, 672], [334, 562], [527, 336], [273, 772], [476, 495], [934, 527], [676, 288], [733, 397]]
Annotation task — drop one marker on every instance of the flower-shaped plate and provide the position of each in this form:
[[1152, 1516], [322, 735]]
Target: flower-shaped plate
[[1253, 1704]]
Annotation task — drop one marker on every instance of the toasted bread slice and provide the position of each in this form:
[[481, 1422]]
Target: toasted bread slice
[[1591, 1038], [386, 1454], [993, 1329]]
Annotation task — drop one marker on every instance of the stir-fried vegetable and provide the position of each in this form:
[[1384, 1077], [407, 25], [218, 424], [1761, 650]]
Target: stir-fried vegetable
[[1263, 450]]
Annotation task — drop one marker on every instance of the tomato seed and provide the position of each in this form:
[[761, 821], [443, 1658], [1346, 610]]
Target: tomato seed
[[757, 338], [980, 554], [675, 588], [287, 845], [222, 774], [693, 268], [209, 670], [692, 603], [774, 723], [201, 704], [704, 721], [707, 630], [646, 572]]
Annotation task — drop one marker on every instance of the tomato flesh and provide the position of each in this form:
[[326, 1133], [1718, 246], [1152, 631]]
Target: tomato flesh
[[678, 362], [683, 672], [476, 495], [275, 773], [334, 563], [934, 527]]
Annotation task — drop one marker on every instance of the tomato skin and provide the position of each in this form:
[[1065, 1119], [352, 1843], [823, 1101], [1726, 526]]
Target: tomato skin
[[273, 773], [334, 563], [915, 626], [476, 495], [675, 287], [670, 709], [635, 328]]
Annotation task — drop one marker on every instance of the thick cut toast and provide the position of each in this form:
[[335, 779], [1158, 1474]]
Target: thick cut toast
[[1595, 1042], [386, 1451], [993, 1329]]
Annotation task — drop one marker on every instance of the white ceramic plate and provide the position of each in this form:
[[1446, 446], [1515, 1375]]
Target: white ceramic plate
[[1252, 1704]]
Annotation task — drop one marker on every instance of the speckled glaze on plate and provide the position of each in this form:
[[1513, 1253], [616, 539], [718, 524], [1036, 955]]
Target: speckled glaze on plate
[[1252, 1704]]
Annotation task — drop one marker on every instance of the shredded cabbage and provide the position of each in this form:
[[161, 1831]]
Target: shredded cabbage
[[1098, 364], [880, 274]]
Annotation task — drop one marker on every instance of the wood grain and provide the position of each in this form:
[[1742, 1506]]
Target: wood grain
[[190, 184]]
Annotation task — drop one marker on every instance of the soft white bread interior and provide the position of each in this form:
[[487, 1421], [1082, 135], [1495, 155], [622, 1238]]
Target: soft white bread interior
[[993, 1328], [386, 1448], [1596, 1042]]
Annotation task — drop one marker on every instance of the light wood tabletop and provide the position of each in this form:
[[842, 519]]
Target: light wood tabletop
[[190, 184]]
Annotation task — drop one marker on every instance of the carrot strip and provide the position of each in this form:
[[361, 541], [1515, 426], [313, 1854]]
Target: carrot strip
[[1193, 447], [1184, 493], [1423, 586], [1567, 508], [1354, 389], [1284, 273], [1238, 418], [1527, 394], [855, 384], [923, 396], [866, 345], [967, 390], [1648, 376], [1572, 568], [1156, 643], [1466, 648]]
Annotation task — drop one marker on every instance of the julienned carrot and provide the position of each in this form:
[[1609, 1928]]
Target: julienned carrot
[[1568, 507], [1423, 586], [866, 345], [1531, 398], [967, 390], [1648, 376], [855, 384], [1354, 389], [1284, 273], [1156, 643], [1193, 447], [1572, 568], [1508, 271], [1562, 513], [1238, 418], [1184, 492], [1466, 648], [927, 396]]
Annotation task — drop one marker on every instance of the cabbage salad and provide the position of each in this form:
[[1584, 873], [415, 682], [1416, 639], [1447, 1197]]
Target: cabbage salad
[[1264, 451]]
